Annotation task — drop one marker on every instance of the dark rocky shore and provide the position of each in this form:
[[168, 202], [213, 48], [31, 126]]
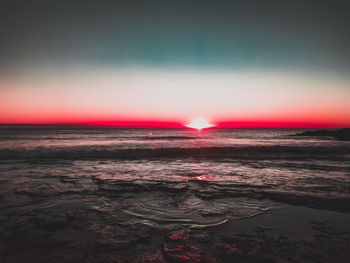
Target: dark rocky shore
[[341, 135], [278, 199], [100, 219]]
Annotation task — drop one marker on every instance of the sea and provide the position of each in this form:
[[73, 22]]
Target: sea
[[173, 195]]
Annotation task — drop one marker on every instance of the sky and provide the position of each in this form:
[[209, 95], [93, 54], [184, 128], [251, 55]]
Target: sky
[[236, 63]]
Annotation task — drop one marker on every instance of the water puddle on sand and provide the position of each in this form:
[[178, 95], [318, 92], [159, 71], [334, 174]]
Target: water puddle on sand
[[192, 212]]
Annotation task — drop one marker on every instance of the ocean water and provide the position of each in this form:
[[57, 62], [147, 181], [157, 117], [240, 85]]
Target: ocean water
[[115, 189]]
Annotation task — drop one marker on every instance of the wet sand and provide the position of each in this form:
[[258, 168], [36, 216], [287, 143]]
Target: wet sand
[[168, 225], [222, 196]]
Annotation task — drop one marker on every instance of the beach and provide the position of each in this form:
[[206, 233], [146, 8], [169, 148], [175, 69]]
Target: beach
[[173, 195]]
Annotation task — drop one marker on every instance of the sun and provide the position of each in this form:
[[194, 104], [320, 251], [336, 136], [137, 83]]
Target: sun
[[199, 123]]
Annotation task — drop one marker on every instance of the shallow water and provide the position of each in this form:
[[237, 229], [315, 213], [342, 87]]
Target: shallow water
[[115, 189]]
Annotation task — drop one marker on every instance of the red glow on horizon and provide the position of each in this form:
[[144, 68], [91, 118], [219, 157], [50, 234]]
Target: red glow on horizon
[[179, 125], [279, 124], [157, 98], [137, 124]]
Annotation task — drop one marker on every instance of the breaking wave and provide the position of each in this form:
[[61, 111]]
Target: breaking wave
[[239, 152]]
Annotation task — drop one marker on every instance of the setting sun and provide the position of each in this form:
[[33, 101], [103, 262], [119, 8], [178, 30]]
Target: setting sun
[[199, 123]]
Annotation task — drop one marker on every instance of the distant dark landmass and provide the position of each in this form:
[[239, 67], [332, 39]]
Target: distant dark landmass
[[342, 134]]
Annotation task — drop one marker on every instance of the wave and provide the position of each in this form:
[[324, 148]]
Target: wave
[[19, 138], [39, 138], [240, 152], [193, 212], [151, 137], [168, 138]]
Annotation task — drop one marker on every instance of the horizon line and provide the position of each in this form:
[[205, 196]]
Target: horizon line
[[177, 125]]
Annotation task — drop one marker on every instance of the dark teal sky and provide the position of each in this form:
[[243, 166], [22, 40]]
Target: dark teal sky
[[228, 34]]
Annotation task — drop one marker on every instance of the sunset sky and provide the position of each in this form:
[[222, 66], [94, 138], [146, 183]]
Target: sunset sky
[[235, 63]]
